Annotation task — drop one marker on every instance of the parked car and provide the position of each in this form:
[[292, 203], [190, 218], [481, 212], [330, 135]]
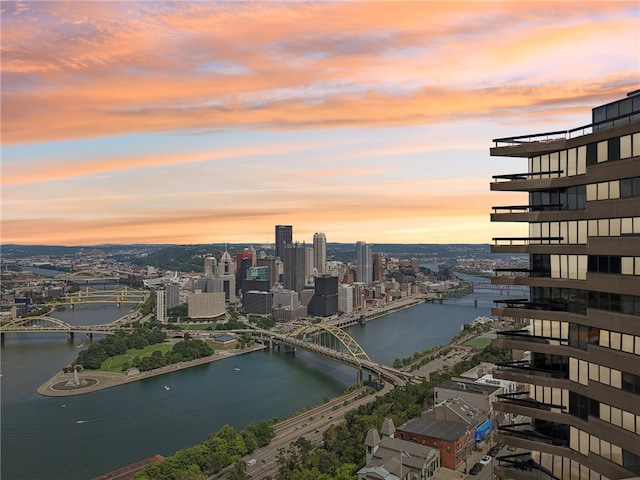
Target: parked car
[[475, 469], [486, 460]]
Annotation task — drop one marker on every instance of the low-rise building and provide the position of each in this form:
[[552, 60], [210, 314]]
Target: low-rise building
[[455, 441], [389, 458]]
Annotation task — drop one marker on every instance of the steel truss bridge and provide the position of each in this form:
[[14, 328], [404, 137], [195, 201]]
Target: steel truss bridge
[[90, 296], [491, 286], [333, 342], [45, 324], [323, 339]]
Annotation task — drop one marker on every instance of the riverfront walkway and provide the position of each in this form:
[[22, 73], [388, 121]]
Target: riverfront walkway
[[93, 380]]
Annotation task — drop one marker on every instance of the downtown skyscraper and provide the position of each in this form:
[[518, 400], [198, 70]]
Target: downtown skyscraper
[[284, 237], [364, 260], [578, 405], [320, 252]]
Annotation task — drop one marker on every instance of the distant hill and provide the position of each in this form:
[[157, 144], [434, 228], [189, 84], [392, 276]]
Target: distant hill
[[191, 257]]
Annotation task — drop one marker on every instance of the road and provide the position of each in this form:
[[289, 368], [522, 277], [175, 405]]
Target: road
[[310, 425]]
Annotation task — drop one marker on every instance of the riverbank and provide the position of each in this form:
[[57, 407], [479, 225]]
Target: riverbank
[[64, 384]]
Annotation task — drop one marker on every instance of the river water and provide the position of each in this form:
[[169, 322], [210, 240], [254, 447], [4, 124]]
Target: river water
[[41, 438]]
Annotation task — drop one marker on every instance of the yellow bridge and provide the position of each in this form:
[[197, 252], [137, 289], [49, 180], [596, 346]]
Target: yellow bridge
[[46, 324], [333, 342], [93, 295]]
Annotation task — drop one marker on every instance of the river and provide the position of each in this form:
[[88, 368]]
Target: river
[[41, 438]]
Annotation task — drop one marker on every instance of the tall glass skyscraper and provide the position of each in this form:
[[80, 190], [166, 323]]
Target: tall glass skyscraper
[[284, 237], [576, 339], [320, 252], [364, 273]]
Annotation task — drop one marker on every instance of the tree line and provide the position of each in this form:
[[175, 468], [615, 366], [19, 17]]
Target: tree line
[[146, 334], [341, 453]]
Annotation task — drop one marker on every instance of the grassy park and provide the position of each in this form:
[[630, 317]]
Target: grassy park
[[481, 342], [114, 364]]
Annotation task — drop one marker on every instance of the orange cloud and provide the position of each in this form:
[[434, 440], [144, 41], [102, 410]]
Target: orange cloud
[[191, 66]]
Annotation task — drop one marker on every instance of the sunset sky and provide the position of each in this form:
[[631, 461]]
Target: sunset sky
[[211, 122]]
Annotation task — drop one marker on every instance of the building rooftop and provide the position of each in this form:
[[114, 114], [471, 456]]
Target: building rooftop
[[449, 431], [468, 386]]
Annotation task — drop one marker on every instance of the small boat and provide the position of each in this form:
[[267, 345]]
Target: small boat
[[166, 387], [82, 421], [237, 369], [63, 405]]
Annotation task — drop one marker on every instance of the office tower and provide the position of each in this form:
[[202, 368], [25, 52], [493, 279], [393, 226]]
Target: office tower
[[226, 272], [378, 268], [172, 292], [284, 237], [257, 302], [295, 266], [364, 274], [241, 272], [308, 262], [270, 263], [345, 298], [325, 298], [320, 252], [246, 254], [210, 265], [161, 306], [257, 278], [580, 377]]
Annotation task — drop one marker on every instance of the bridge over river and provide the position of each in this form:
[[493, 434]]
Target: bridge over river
[[322, 338], [333, 342]]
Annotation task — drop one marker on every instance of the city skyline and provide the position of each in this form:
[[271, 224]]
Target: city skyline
[[203, 122]]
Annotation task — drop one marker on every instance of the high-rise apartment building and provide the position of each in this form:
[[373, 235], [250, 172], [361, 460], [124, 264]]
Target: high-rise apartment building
[[579, 376], [320, 252], [284, 237], [364, 274]]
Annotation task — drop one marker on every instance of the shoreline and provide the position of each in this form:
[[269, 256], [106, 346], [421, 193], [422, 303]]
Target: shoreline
[[98, 380]]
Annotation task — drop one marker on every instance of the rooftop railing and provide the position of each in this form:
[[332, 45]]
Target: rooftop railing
[[567, 134]]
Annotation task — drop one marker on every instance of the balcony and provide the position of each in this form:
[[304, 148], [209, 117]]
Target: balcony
[[522, 399], [520, 241], [523, 340], [511, 209], [521, 465], [525, 367], [524, 303], [526, 432], [514, 177]]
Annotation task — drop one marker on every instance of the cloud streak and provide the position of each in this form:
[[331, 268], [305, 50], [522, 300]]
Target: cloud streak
[[145, 121]]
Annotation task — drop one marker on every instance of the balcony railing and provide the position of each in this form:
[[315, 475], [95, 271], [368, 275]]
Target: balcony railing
[[526, 432], [513, 241], [566, 134], [524, 463], [522, 399], [525, 367], [528, 305], [544, 207], [525, 336], [520, 272], [526, 176]]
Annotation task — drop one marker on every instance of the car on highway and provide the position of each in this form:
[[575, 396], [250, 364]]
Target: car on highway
[[486, 460]]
